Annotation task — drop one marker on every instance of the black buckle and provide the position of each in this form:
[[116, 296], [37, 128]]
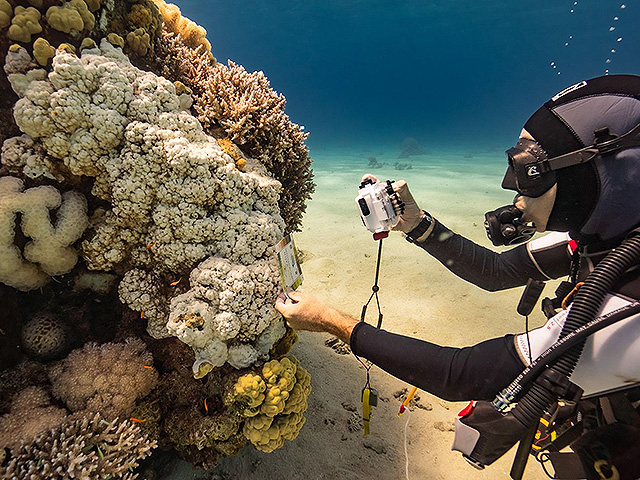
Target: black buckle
[[560, 385]]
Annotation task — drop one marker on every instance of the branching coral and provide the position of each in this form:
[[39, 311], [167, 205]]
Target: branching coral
[[90, 447], [31, 414], [248, 111], [106, 378]]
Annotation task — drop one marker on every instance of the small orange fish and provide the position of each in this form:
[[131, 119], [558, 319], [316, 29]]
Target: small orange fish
[[206, 408], [138, 420], [150, 245], [173, 284], [147, 366], [142, 314]]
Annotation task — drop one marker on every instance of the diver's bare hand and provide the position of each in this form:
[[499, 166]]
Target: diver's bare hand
[[412, 213], [303, 311]]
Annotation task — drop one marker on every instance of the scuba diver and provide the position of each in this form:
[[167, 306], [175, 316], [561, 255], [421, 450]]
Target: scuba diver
[[576, 380]]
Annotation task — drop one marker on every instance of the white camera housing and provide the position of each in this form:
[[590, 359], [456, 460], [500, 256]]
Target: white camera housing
[[379, 207]]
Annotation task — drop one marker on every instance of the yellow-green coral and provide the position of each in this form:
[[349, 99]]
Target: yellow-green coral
[[116, 40], [25, 22], [139, 41], [268, 434], [43, 51], [88, 43], [6, 12], [72, 15], [297, 402], [233, 151], [140, 16], [273, 403], [280, 373], [249, 391]]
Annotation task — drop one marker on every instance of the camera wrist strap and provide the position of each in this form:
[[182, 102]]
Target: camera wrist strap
[[375, 290]]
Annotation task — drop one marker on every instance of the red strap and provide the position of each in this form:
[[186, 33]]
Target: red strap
[[573, 245]]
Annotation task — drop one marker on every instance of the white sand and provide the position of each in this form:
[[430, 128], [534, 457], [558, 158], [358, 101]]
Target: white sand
[[419, 297]]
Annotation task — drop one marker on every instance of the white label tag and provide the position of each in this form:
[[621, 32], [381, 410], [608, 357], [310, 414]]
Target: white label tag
[[290, 272]]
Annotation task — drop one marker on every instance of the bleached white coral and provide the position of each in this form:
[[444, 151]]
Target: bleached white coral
[[230, 304], [176, 199], [22, 154], [50, 250]]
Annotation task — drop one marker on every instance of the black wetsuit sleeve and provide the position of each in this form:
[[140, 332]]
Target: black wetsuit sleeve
[[471, 373], [482, 267]]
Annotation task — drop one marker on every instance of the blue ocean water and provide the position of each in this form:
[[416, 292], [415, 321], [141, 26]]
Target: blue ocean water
[[455, 75]]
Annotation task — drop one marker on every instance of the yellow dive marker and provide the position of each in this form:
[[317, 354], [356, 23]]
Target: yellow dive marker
[[369, 400]]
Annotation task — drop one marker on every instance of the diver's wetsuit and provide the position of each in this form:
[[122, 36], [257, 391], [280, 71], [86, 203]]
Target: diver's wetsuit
[[479, 371]]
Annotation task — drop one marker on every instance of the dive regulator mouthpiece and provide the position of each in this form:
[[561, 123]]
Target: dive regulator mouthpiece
[[504, 226], [380, 207]]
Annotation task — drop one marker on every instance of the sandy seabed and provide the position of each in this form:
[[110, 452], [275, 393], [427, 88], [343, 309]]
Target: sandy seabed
[[419, 298]]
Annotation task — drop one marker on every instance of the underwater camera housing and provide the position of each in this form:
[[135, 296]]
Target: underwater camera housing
[[379, 207]]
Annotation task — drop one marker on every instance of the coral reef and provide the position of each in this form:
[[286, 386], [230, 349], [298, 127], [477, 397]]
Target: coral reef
[[136, 170], [106, 378], [90, 447], [243, 107], [31, 414]]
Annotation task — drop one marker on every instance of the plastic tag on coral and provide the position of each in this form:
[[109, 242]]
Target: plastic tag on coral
[[290, 272]]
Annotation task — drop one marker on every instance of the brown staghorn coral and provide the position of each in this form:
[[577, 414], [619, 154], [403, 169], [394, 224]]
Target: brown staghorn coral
[[31, 414], [106, 378], [88, 447], [230, 102]]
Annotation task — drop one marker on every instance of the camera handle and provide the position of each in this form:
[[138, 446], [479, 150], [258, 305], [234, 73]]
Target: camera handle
[[375, 290]]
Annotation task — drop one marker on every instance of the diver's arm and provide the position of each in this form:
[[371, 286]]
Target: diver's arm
[[471, 373], [488, 269]]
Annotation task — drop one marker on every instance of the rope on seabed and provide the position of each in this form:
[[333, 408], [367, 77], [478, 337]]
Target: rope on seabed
[[406, 452]]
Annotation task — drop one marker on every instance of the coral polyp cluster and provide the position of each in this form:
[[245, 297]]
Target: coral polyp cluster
[[143, 188], [272, 403]]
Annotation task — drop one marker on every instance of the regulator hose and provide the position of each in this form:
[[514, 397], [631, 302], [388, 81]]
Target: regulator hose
[[584, 309]]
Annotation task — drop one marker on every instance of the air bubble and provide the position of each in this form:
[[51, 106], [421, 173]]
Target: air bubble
[[611, 29], [615, 19], [619, 39], [606, 72], [613, 50], [608, 60], [575, 3], [623, 6], [570, 37], [572, 10], [566, 44], [555, 66], [552, 63], [558, 73]]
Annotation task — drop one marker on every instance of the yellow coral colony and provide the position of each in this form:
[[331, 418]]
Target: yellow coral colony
[[43, 51], [233, 151], [72, 15], [273, 403], [6, 12], [191, 33], [25, 22]]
